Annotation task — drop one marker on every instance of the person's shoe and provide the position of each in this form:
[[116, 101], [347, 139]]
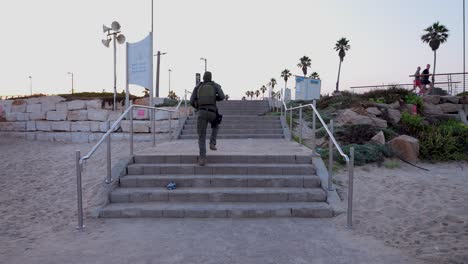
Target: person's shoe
[[213, 147], [201, 161]]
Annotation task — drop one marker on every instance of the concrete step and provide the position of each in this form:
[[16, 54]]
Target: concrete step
[[222, 131], [240, 126], [226, 159], [221, 169], [232, 136], [212, 194], [220, 210], [296, 181]]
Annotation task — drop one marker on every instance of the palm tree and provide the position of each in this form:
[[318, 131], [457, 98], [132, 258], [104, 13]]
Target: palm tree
[[435, 35], [263, 89], [247, 94], [342, 45], [272, 84], [315, 75], [252, 93], [257, 93], [285, 74], [304, 64]]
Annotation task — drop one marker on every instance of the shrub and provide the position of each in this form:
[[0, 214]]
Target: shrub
[[447, 141], [357, 134], [363, 154], [415, 100], [388, 96], [412, 124]]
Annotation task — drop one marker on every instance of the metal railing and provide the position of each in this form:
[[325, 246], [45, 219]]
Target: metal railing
[[128, 113], [332, 142]]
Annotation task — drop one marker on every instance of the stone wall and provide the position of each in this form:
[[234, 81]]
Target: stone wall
[[54, 118]]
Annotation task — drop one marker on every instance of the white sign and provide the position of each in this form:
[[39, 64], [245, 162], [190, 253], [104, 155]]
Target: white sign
[[140, 62], [307, 88]]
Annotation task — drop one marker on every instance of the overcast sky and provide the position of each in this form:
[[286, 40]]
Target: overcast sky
[[247, 42]]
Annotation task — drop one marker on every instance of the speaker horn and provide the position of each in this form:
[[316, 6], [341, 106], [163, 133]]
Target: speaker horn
[[106, 42], [115, 26], [105, 28], [121, 39]]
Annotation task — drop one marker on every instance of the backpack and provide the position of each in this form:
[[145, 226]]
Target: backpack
[[206, 94]]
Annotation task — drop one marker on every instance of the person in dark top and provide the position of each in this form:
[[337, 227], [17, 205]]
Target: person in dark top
[[425, 76], [204, 97]]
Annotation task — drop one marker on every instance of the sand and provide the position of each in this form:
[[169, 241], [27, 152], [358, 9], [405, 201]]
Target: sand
[[424, 213], [400, 214]]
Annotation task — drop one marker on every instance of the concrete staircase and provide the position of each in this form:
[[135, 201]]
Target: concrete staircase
[[241, 119], [229, 186]]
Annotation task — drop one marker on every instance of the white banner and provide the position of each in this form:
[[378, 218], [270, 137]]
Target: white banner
[[307, 88], [140, 62]]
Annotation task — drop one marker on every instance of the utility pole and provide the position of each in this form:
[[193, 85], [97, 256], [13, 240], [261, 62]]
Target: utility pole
[[170, 80], [72, 90], [30, 84], [464, 47], [205, 59], [158, 63]]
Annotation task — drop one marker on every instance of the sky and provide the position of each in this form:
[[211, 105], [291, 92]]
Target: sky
[[246, 42]]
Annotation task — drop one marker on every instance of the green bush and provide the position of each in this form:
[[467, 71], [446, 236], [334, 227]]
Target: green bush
[[447, 141], [415, 100], [387, 96], [412, 124], [363, 154], [355, 134]]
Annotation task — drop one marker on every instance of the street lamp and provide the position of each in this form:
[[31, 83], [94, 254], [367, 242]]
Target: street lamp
[[30, 84], [113, 33], [157, 70], [71, 73], [204, 59], [170, 80]]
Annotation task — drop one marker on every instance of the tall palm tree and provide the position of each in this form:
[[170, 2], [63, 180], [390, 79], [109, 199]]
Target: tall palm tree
[[263, 89], [304, 64], [285, 74], [272, 84], [435, 35], [257, 93], [315, 75], [342, 45], [247, 94], [252, 93]]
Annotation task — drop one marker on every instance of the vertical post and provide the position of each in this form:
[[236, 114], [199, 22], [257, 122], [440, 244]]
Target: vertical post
[[170, 80], [73, 90], [350, 188], [464, 47], [185, 103], [157, 72], [291, 121], [131, 132], [314, 118], [153, 125], [79, 192], [151, 84], [109, 157], [330, 158], [115, 74], [127, 91], [300, 124]]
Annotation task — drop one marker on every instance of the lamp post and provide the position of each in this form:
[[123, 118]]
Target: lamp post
[[158, 55], [204, 59], [113, 34], [72, 90], [169, 80], [30, 84]]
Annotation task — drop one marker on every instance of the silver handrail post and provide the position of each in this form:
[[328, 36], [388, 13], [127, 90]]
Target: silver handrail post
[[350, 188], [314, 118], [291, 121], [79, 192], [109, 160], [300, 125], [131, 132], [153, 125], [330, 158]]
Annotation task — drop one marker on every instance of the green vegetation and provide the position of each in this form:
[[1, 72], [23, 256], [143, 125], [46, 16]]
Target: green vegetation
[[363, 154], [444, 142]]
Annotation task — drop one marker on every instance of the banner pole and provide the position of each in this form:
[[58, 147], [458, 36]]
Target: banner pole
[[127, 92]]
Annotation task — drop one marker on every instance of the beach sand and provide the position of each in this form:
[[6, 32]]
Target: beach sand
[[408, 211]]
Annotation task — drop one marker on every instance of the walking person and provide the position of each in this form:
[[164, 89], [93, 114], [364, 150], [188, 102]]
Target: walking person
[[425, 77], [417, 82], [204, 97]]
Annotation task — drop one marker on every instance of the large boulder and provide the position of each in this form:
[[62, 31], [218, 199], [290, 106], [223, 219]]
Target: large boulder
[[405, 147], [379, 138], [431, 99], [349, 117], [76, 105], [450, 99], [373, 111], [431, 109], [450, 108], [394, 116]]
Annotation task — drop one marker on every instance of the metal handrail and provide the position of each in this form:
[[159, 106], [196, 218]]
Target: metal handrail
[[349, 161], [80, 160]]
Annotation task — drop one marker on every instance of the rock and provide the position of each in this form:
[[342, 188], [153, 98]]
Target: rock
[[19, 106], [431, 99], [94, 104], [13, 126], [114, 115], [76, 105], [98, 115], [394, 105], [61, 106], [99, 126], [379, 138], [33, 108], [138, 126], [80, 126], [33, 100], [450, 108], [450, 99], [162, 115], [51, 99], [37, 116], [31, 126], [60, 126], [77, 115], [16, 116], [49, 106], [431, 109], [374, 110], [394, 115], [43, 126], [56, 116], [405, 147], [349, 117]]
